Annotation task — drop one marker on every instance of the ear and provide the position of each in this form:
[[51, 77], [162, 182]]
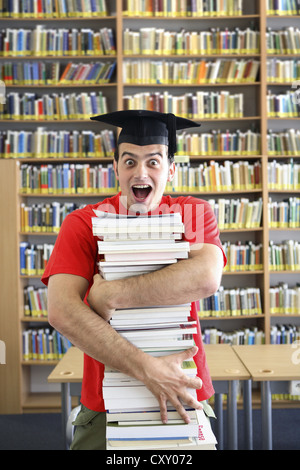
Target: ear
[[116, 169], [171, 172]]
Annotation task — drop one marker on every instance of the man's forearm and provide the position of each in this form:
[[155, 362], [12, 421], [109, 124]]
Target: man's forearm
[[186, 281]]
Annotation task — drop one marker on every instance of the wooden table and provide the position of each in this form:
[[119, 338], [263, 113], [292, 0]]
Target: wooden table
[[69, 373], [225, 368], [273, 366]]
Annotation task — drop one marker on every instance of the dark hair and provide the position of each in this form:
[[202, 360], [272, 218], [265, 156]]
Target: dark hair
[[116, 156]]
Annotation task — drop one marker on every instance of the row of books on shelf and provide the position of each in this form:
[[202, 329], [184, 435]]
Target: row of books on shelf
[[284, 41], [285, 334], [286, 142], [45, 143], [237, 213], [193, 8], [201, 105], [45, 217], [217, 142], [283, 71], [284, 256], [48, 217], [241, 336], [35, 302], [284, 214], [283, 175], [213, 176], [56, 73], [243, 256], [52, 9], [54, 106], [231, 303], [48, 143], [285, 299], [280, 334], [284, 105], [283, 7], [42, 41], [190, 72], [67, 178], [158, 41], [43, 344], [34, 258]]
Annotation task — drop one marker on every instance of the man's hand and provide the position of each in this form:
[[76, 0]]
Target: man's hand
[[166, 380], [99, 297]]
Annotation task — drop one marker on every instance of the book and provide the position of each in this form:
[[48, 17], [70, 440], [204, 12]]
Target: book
[[157, 330]]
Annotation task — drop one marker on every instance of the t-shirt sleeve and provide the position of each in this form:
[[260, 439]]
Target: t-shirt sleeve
[[201, 224], [75, 250]]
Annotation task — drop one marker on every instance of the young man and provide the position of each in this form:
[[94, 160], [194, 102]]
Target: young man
[[81, 302]]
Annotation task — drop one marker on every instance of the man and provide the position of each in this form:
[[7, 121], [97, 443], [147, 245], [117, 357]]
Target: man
[[81, 302]]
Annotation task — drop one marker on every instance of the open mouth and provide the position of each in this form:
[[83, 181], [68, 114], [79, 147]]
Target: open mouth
[[141, 191]]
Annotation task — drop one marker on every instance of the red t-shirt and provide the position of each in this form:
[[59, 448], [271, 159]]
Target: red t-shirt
[[75, 252]]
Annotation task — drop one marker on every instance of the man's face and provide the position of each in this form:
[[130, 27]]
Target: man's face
[[143, 172]]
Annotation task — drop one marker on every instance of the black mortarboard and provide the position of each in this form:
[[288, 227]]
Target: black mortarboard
[[141, 127]]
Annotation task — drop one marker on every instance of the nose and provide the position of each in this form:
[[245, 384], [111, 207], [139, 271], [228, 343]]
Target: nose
[[141, 171]]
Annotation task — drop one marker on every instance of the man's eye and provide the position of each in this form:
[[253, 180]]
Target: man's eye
[[129, 162], [153, 162]]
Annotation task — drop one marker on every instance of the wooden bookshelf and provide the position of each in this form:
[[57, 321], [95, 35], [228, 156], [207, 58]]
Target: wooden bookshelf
[[16, 394]]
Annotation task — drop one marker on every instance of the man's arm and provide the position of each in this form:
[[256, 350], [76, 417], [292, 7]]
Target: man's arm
[[186, 281], [89, 332]]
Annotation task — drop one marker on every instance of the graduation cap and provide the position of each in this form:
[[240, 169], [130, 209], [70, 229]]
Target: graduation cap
[[141, 127]]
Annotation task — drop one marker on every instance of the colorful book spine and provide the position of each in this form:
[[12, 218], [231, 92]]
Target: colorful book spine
[[237, 213], [34, 258], [57, 107], [284, 214], [284, 41], [44, 42], [284, 256], [53, 9], [201, 105], [284, 300], [35, 302], [45, 143], [67, 179], [283, 7], [190, 72], [231, 303], [247, 336], [286, 142], [243, 257], [285, 334], [43, 344], [45, 217], [175, 9], [283, 105], [214, 176], [158, 41], [284, 176], [283, 71], [227, 143]]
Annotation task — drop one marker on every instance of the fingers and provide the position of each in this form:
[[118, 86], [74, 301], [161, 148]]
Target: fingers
[[188, 399], [188, 353]]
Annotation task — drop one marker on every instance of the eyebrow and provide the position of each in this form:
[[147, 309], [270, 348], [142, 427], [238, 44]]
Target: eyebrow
[[130, 154]]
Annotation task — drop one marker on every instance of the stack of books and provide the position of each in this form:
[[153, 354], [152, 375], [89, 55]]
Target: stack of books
[[134, 245]]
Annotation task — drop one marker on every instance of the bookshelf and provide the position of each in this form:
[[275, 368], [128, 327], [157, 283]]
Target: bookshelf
[[238, 111]]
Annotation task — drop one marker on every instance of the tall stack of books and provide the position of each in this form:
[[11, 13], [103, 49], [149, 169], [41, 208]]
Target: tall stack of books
[[133, 246]]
